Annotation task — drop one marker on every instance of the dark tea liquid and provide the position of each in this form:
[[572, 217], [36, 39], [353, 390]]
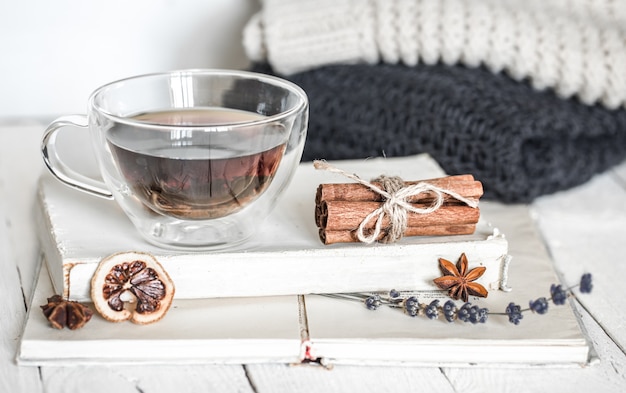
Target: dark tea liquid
[[195, 174]]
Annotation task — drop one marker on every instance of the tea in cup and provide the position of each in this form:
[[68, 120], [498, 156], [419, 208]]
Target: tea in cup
[[196, 159]]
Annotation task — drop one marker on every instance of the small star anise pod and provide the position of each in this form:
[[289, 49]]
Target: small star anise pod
[[459, 281], [62, 313]]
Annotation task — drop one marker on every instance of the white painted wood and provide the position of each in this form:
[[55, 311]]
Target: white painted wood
[[20, 167], [342, 378], [620, 173], [585, 229], [151, 379], [12, 305], [607, 375]]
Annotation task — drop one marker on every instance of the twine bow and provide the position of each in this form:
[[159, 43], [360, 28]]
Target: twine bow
[[396, 195]]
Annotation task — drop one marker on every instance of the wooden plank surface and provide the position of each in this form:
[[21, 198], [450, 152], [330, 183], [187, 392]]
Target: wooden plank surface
[[607, 375], [362, 379], [585, 229], [620, 174], [13, 304], [20, 167], [180, 379]]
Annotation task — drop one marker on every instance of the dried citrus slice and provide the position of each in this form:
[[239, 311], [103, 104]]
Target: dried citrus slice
[[131, 286]]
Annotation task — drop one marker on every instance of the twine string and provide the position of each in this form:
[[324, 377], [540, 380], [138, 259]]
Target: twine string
[[395, 194]]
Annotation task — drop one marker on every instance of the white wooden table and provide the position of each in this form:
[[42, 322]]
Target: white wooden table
[[584, 227]]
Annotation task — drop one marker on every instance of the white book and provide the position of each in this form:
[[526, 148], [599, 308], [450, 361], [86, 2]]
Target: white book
[[341, 332], [305, 328], [233, 330], [286, 257]]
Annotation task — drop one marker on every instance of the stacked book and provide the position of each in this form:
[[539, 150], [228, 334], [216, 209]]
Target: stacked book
[[262, 302]]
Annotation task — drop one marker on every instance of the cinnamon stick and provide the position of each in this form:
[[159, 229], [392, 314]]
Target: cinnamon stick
[[340, 208], [347, 236], [344, 215], [464, 185]]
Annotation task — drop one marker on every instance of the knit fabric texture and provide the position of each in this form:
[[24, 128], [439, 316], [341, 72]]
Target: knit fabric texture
[[520, 143], [573, 47]]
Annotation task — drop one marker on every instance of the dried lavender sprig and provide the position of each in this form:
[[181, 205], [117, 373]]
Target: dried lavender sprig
[[558, 297], [412, 307], [467, 312]]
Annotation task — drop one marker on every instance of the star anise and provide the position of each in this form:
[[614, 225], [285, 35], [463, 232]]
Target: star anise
[[62, 313], [459, 281]]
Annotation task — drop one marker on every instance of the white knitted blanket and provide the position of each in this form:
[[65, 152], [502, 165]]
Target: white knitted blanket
[[576, 47]]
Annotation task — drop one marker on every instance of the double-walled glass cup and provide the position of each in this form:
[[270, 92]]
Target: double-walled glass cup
[[195, 158]]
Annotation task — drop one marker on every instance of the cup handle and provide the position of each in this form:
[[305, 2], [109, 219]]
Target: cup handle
[[59, 169]]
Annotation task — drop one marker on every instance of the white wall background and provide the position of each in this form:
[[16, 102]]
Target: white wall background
[[54, 53]]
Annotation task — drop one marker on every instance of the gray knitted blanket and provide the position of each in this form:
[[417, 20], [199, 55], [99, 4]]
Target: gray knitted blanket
[[519, 142]]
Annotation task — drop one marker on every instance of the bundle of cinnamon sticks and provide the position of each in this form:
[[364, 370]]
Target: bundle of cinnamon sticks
[[341, 207]]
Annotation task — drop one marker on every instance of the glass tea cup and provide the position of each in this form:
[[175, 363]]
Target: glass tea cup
[[195, 158]]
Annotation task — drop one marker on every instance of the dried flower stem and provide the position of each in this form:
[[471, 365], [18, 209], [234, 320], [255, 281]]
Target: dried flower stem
[[409, 303]]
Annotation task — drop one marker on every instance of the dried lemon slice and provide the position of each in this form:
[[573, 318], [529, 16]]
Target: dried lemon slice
[[131, 286]]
